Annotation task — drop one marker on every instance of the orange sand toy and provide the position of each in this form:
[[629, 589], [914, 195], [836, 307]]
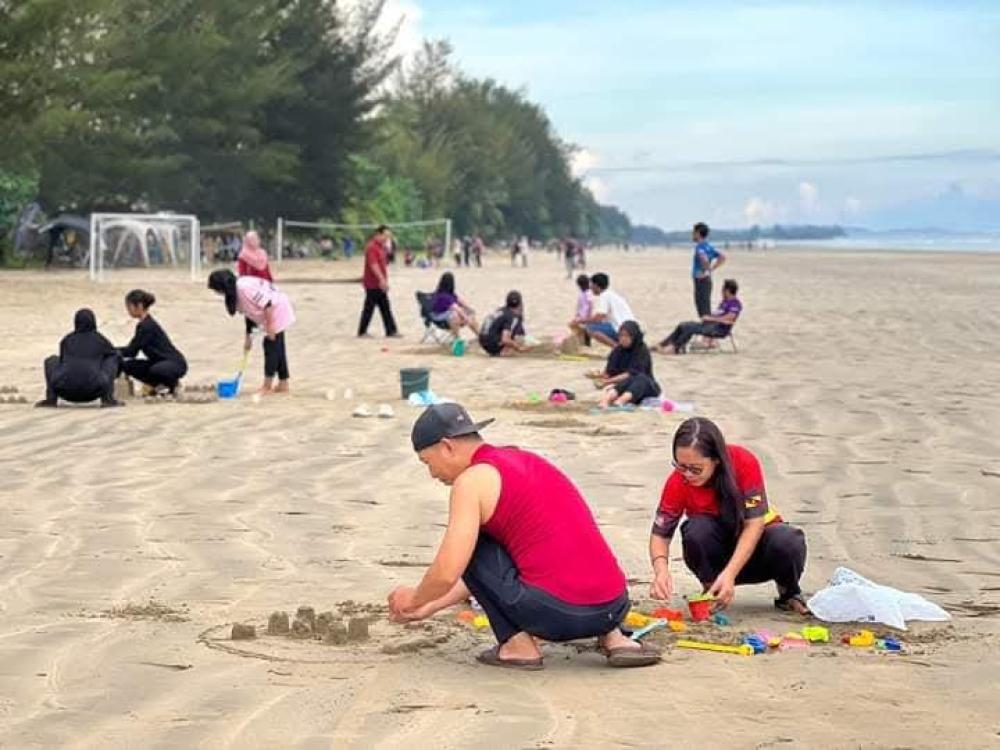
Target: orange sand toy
[[664, 613], [466, 616]]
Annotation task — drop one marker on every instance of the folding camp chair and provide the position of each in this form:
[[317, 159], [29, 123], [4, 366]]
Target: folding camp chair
[[434, 330], [728, 335]]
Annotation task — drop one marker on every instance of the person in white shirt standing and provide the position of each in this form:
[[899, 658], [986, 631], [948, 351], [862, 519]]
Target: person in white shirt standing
[[607, 312]]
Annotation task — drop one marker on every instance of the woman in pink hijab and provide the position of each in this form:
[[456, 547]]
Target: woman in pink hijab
[[252, 260]]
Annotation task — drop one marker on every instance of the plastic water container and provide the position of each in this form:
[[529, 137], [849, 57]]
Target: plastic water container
[[414, 380]]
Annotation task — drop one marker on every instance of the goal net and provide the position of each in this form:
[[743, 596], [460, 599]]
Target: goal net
[[414, 242], [161, 240]]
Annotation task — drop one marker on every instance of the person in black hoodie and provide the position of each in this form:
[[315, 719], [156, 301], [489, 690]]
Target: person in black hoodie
[[163, 366], [86, 367], [628, 375]]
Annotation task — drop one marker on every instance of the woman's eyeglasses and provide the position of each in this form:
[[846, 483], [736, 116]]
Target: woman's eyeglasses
[[695, 471]]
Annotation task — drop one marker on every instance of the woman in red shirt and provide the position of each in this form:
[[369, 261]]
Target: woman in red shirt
[[732, 535]]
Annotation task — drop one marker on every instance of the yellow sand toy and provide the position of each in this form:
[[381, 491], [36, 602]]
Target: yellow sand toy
[[719, 648]]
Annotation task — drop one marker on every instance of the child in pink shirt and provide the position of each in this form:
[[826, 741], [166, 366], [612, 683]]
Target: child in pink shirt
[[264, 306]]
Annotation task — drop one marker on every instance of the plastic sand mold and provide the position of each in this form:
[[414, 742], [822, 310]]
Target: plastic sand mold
[[816, 634], [637, 620]]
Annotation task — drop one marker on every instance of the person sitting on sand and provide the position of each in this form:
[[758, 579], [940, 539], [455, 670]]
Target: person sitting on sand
[[732, 535], [502, 333], [448, 307], [252, 260], [609, 310], [521, 539], [263, 306], [627, 377], [85, 368], [163, 365], [584, 305], [717, 325]]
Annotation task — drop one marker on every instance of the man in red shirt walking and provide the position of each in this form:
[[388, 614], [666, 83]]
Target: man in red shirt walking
[[522, 540], [376, 284]]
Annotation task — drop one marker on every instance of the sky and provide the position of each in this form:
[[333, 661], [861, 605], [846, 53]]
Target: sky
[[879, 114]]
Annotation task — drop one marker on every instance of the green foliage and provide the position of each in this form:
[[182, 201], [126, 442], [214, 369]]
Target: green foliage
[[265, 108]]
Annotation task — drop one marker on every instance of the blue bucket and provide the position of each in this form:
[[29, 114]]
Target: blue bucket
[[228, 388]]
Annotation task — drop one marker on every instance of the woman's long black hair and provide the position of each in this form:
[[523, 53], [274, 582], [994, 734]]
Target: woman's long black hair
[[223, 281], [704, 436], [446, 284]]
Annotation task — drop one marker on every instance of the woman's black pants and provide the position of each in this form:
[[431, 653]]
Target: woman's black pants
[[165, 372], [780, 555], [275, 357], [80, 385]]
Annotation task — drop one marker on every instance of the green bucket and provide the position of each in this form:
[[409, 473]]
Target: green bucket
[[414, 380]]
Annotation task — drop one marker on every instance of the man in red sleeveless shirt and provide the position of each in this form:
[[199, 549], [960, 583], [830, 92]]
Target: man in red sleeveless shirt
[[522, 540]]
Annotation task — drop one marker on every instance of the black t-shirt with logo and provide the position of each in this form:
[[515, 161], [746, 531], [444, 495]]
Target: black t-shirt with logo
[[491, 334]]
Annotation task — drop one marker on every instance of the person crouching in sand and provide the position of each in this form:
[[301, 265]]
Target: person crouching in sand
[[86, 367], [522, 540], [732, 535], [260, 302]]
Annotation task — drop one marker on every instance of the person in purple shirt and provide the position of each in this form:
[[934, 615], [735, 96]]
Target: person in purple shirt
[[716, 325], [448, 307]]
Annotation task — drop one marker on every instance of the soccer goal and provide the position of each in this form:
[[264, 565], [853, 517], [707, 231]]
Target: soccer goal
[[413, 241], [161, 240]]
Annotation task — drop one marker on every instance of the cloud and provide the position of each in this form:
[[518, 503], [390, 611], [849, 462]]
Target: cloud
[[583, 161], [762, 211], [808, 198], [405, 17], [852, 206]]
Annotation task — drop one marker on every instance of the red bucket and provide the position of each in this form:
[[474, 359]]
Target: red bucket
[[701, 609]]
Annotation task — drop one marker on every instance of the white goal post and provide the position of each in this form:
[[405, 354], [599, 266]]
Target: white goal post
[[131, 239], [284, 224]]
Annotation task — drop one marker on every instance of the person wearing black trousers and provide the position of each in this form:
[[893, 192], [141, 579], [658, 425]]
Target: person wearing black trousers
[[733, 535], [164, 365], [85, 368], [376, 284], [706, 260]]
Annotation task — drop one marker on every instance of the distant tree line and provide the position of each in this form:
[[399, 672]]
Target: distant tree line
[[235, 109], [647, 235]]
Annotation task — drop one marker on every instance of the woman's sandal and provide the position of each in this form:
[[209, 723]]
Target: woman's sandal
[[491, 658], [624, 657], [785, 605]]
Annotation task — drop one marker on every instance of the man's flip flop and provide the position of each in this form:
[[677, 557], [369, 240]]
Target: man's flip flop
[[491, 658], [625, 657]]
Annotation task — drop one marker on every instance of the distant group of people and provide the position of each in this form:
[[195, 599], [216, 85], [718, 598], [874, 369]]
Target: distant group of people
[[520, 537]]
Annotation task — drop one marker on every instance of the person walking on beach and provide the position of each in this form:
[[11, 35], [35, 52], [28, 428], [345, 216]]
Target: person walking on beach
[[376, 284], [706, 260], [733, 535], [521, 539]]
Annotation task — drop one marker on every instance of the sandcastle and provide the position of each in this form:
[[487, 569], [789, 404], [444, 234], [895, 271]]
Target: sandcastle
[[329, 627]]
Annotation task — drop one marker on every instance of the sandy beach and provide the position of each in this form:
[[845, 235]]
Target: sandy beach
[[131, 539]]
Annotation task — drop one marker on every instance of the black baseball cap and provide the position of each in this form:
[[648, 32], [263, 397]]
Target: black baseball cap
[[443, 421], [514, 299]]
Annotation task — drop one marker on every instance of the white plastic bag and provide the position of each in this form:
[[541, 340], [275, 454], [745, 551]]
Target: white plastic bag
[[853, 598]]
